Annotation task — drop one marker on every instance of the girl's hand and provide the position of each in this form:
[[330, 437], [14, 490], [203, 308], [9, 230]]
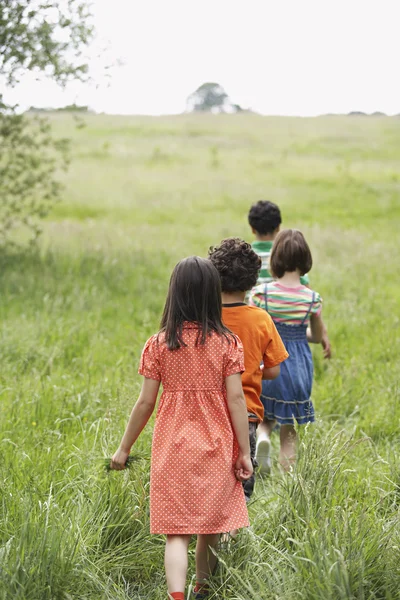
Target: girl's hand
[[243, 467], [118, 461], [326, 346]]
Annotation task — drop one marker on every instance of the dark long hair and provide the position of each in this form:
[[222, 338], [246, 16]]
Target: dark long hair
[[194, 295]]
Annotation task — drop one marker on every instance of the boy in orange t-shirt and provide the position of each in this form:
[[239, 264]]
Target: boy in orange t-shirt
[[239, 266]]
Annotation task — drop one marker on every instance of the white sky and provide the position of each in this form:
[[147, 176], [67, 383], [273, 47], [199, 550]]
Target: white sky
[[288, 57]]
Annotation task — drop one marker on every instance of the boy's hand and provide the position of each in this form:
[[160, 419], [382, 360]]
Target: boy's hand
[[243, 467], [118, 461]]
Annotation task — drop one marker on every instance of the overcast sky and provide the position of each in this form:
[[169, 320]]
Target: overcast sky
[[287, 57]]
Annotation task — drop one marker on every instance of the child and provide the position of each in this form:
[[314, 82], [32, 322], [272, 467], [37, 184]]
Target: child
[[238, 266], [265, 221], [296, 312], [200, 448]]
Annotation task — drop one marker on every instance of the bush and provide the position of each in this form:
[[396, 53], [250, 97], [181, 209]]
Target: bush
[[48, 39], [29, 158]]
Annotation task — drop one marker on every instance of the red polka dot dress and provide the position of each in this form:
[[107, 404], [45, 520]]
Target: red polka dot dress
[[193, 488]]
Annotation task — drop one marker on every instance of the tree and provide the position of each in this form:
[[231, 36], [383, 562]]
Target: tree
[[211, 97], [45, 38]]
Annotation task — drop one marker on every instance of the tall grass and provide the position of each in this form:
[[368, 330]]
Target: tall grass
[[142, 193]]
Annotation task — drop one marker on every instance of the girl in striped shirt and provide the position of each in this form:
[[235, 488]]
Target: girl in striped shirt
[[296, 312]]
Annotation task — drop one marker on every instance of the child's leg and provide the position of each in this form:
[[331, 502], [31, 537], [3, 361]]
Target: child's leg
[[266, 427], [176, 562], [264, 445], [287, 455], [206, 559]]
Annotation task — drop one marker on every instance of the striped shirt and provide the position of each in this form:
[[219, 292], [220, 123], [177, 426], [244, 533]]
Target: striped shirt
[[263, 249], [287, 305]]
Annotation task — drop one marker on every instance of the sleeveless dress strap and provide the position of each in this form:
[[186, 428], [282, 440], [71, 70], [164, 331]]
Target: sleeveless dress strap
[[309, 309]]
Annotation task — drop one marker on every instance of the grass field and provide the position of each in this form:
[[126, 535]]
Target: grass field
[[141, 194]]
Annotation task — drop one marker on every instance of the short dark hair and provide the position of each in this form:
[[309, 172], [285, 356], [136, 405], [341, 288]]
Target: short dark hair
[[194, 295], [290, 252], [264, 217], [237, 264]]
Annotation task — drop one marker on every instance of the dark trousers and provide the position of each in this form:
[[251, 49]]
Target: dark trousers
[[248, 485]]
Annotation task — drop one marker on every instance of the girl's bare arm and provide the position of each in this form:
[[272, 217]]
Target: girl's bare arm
[[326, 345], [140, 414], [238, 411], [315, 331]]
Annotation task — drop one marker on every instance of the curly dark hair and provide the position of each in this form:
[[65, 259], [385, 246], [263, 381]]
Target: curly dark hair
[[264, 217], [237, 264]]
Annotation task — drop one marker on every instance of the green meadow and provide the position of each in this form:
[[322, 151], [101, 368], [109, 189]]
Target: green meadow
[[141, 193]]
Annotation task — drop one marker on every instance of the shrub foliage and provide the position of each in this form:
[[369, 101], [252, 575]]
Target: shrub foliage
[[46, 38]]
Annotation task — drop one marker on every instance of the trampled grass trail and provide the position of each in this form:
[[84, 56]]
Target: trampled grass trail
[[141, 194]]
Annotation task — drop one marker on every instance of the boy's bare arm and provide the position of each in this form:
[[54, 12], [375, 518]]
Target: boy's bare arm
[[271, 372]]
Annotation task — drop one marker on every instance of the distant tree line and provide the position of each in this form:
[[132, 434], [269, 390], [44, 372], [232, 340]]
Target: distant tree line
[[75, 108], [211, 97], [358, 113]]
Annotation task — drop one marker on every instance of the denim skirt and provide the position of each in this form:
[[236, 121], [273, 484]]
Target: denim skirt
[[287, 398]]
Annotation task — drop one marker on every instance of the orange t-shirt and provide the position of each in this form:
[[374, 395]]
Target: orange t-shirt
[[261, 344]]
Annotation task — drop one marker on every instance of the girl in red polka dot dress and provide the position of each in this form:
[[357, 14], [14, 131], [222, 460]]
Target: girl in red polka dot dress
[[200, 448]]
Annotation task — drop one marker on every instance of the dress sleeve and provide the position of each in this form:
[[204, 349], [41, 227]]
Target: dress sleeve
[[317, 306], [234, 358], [149, 361], [275, 352]]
